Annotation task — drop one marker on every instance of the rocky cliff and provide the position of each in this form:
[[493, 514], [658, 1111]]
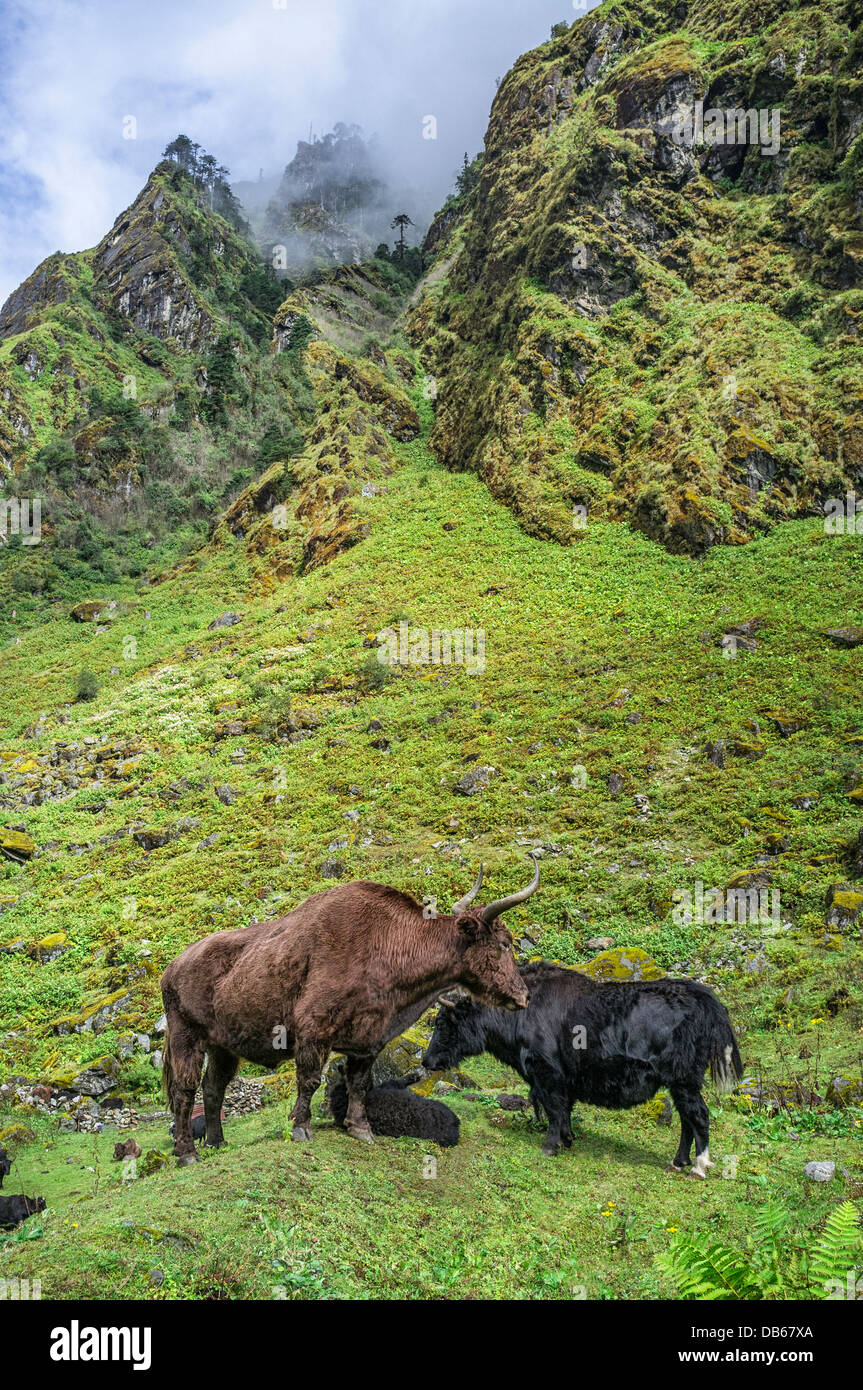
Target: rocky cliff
[[649, 318], [155, 293]]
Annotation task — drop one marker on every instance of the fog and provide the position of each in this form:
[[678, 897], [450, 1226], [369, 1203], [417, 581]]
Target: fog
[[92, 90]]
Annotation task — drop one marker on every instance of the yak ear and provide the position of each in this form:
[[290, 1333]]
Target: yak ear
[[474, 928]]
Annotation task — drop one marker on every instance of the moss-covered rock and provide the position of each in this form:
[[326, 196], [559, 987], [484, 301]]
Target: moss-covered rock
[[623, 963], [16, 844], [94, 1016], [87, 610], [844, 906], [845, 1090]]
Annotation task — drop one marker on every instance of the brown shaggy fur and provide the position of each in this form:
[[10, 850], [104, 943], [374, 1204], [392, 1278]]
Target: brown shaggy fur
[[346, 971]]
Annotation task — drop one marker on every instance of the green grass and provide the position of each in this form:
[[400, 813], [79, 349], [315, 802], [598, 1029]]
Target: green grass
[[263, 1218]]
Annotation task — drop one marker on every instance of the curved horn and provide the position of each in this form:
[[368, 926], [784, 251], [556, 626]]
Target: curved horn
[[504, 904], [465, 902]]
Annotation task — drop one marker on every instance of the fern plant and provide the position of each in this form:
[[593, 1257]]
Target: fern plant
[[777, 1264]]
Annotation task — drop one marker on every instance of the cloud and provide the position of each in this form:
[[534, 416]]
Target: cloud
[[244, 78]]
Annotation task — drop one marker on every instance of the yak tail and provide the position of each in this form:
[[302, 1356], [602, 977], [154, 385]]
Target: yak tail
[[168, 1070], [726, 1068]]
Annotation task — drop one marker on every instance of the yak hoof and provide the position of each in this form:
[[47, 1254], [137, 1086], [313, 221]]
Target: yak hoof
[[697, 1173], [301, 1134], [550, 1150], [363, 1132], [186, 1160]]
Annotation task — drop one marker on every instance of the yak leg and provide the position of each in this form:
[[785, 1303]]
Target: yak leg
[[359, 1079], [559, 1129], [547, 1089], [221, 1068], [311, 1058], [701, 1128], [694, 1123], [184, 1058]]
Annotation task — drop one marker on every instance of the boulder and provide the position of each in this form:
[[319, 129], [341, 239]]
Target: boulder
[[716, 752], [95, 1017], [472, 782], [156, 839], [744, 748], [511, 1102], [16, 845], [845, 636], [845, 1090], [786, 722], [97, 1079], [50, 947], [844, 906], [88, 610], [153, 1160], [820, 1172], [623, 963]]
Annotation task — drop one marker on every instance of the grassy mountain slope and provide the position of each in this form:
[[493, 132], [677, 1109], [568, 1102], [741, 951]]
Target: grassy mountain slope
[[278, 707]]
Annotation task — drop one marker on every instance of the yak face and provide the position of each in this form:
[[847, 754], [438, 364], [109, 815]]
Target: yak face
[[457, 1034], [488, 967]]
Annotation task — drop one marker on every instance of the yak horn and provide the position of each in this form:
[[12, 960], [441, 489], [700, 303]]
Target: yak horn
[[447, 1003], [504, 904], [465, 902]]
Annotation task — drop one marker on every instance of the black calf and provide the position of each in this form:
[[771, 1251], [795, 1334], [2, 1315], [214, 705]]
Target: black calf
[[14, 1210], [612, 1045], [198, 1126], [398, 1113], [5, 1164]]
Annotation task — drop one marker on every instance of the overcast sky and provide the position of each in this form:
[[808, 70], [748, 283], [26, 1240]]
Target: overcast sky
[[245, 79]]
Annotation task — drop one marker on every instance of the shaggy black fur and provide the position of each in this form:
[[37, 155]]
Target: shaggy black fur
[[5, 1164], [399, 1113], [612, 1045], [198, 1126], [14, 1210]]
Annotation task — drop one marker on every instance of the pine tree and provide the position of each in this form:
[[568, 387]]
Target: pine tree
[[401, 221]]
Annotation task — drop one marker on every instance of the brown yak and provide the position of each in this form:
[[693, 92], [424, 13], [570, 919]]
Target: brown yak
[[346, 971]]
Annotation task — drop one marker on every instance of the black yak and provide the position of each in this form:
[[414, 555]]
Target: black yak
[[612, 1045], [399, 1113], [14, 1210], [5, 1164], [346, 971]]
